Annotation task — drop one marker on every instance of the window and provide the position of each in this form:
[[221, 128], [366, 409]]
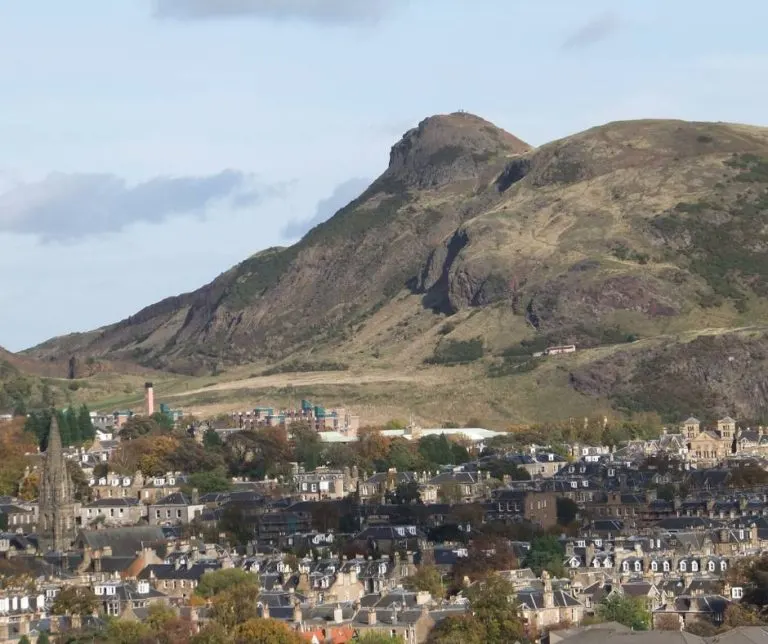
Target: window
[[711, 566], [683, 566], [654, 566], [694, 566], [666, 566], [737, 592]]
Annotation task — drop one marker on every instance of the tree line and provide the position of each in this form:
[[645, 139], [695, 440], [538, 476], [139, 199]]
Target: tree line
[[75, 425]]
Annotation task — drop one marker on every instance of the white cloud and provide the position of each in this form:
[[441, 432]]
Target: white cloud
[[324, 11], [70, 206], [326, 208]]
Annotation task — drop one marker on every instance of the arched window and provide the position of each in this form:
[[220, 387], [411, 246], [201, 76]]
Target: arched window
[[654, 566], [711, 566], [666, 566], [625, 566], [694, 566], [683, 566], [638, 566]]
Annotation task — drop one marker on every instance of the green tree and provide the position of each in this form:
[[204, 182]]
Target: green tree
[[546, 553], [307, 446], [265, 631], [212, 633], [85, 424], [630, 611], [458, 629], [25, 640], [75, 600], [213, 481], [494, 607], [427, 578], [374, 637], [211, 439], [164, 421], [43, 638], [235, 606], [567, 511], [123, 631], [436, 450], [73, 426], [405, 494], [217, 581]]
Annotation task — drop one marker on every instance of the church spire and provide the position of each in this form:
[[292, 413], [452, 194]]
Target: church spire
[[54, 437], [56, 495]]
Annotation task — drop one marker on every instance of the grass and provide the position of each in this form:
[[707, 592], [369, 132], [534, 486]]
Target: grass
[[296, 366]]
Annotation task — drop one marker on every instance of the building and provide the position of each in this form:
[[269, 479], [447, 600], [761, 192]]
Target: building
[[113, 512], [176, 508], [57, 497]]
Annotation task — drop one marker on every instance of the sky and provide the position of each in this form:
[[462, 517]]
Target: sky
[[148, 145]]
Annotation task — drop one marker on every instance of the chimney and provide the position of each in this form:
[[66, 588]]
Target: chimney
[[371, 621], [297, 615], [149, 398], [338, 614]]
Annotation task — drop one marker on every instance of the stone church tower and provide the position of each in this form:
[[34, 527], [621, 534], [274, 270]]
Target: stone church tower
[[57, 497]]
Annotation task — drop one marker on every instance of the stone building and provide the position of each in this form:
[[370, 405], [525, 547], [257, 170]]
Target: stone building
[[57, 497]]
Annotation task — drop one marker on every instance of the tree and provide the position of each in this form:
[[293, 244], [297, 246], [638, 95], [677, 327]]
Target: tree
[[567, 510], [494, 608], [377, 637], [630, 611], [436, 450], [235, 606], [213, 633], [75, 600], [450, 492], [742, 615], [43, 638], [84, 424], [546, 553], [217, 581], [404, 494], [667, 622], [211, 439], [213, 481], [123, 631], [426, 578], [76, 474], [137, 426], [164, 421], [307, 445], [265, 631], [458, 629]]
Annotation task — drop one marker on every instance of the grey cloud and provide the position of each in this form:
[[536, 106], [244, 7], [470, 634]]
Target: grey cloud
[[324, 11], [326, 208], [594, 31], [68, 206]]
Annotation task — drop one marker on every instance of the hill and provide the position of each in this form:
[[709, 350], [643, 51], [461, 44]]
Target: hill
[[475, 248]]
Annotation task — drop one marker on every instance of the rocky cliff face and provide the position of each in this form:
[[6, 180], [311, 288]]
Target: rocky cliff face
[[632, 229]]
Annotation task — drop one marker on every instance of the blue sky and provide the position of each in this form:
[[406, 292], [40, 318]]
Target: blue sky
[[146, 146]]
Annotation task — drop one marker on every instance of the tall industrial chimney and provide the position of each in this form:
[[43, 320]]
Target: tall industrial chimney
[[149, 398]]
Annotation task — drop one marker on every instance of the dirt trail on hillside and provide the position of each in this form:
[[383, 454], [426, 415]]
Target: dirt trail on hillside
[[316, 378]]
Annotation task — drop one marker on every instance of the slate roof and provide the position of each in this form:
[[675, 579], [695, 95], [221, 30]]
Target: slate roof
[[125, 542]]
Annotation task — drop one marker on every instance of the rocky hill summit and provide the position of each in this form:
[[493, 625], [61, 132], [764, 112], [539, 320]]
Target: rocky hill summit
[[632, 230]]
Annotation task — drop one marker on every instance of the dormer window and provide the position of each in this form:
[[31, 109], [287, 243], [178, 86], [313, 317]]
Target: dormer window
[[683, 566], [638, 566], [625, 566], [654, 566], [666, 566], [581, 544], [694, 566], [585, 483], [711, 566], [574, 484], [599, 543], [723, 565], [737, 592]]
